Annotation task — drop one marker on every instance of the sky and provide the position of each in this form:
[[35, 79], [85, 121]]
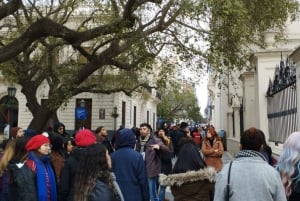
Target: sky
[[201, 93]]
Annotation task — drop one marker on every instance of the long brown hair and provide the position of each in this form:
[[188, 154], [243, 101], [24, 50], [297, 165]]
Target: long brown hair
[[93, 165], [8, 154]]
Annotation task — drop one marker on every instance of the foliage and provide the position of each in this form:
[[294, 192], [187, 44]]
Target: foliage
[[109, 46], [178, 103]]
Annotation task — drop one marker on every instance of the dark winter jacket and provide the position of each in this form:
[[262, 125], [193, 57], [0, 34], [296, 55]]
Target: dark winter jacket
[[67, 177], [26, 181], [176, 137], [129, 168], [192, 185], [102, 191], [12, 188]]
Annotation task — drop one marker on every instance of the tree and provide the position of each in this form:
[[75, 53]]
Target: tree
[[124, 37], [178, 103]]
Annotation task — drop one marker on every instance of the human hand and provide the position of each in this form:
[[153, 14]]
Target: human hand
[[155, 146]]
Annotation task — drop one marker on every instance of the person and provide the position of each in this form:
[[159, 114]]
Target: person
[[18, 159], [59, 128], [93, 179], [83, 139], [266, 150], [58, 155], [2, 190], [36, 179], [249, 176], [102, 136], [289, 166], [69, 146], [190, 179], [17, 132], [166, 159], [6, 157], [177, 134], [152, 148], [129, 167], [212, 149]]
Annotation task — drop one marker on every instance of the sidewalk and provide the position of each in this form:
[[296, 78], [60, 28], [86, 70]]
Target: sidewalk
[[227, 157]]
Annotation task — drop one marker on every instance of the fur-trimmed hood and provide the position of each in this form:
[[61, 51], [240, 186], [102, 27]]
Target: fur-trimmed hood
[[208, 173]]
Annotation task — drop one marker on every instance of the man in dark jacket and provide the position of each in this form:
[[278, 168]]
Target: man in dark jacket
[[176, 136], [129, 167], [153, 150]]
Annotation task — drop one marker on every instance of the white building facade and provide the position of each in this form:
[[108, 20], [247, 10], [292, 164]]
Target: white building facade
[[243, 104]]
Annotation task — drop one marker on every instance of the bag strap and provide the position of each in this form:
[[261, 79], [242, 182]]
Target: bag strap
[[228, 182]]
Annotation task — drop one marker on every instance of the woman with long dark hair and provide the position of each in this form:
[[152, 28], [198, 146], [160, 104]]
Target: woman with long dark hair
[[191, 179], [93, 179]]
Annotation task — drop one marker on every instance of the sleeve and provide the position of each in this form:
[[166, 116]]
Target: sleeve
[[65, 180], [26, 181], [221, 183], [220, 149], [280, 192], [102, 191], [207, 151], [142, 179]]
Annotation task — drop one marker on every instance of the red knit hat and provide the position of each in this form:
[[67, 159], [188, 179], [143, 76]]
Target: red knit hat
[[84, 138], [36, 142]]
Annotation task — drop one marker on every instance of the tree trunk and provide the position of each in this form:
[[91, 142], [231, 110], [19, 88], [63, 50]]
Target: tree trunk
[[42, 120]]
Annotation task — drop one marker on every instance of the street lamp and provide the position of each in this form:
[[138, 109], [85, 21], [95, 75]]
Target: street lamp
[[11, 92], [115, 115]]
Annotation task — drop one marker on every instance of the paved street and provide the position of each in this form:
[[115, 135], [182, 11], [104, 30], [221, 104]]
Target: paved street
[[226, 159]]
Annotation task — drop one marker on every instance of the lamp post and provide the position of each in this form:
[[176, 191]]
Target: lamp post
[[11, 92], [115, 115]]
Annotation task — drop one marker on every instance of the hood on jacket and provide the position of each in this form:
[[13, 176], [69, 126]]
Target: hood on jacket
[[125, 138], [208, 173]]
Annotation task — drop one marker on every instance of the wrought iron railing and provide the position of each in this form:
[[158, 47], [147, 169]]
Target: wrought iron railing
[[282, 102]]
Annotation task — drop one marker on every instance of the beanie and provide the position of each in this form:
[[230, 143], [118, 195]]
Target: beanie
[[84, 138], [36, 142], [14, 131]]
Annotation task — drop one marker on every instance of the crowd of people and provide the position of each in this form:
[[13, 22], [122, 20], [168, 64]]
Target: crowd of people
[[139, 164]]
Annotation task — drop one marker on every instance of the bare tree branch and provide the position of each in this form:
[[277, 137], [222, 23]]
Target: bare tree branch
[[9, 8]]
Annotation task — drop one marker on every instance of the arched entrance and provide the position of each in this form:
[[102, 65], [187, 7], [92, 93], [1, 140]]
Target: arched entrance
[[9, 112]]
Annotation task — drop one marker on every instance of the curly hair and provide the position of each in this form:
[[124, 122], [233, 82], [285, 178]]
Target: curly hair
[[289, 163], [93, 165]]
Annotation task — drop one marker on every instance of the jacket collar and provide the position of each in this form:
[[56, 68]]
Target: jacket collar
[[208, 173]]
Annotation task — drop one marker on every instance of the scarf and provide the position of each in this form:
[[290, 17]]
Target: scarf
[[143, 142], [45, 178], [249, 153]]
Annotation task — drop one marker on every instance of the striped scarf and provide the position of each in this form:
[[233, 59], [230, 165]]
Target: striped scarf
[[249, 153]]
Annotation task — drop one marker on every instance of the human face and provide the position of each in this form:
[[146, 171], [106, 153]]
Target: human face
[[60, 130], [161, 133], [208, 134], [45, 149], [70, 147], [108, 159], [20, 133], [144, 131], [103, 132]]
